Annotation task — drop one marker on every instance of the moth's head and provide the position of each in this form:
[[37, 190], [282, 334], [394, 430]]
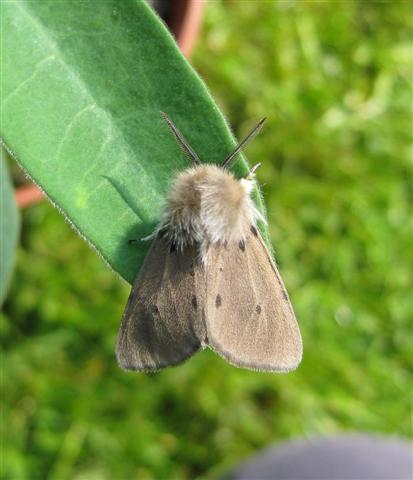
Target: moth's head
[[208, 204], [209, 181]]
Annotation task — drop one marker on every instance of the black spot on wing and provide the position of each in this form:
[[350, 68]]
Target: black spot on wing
[[254, 231], [218, 301], [242, 245], [194, 302], [258, 309]]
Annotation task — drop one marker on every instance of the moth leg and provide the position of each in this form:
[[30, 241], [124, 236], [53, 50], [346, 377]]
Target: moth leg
[[251, 174], [133, 241]]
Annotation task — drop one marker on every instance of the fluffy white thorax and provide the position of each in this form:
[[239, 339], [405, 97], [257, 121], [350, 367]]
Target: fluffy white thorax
[[206, 205]]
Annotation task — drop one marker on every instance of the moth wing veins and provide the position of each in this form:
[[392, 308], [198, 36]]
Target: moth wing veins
[[163, 322], [249, 318]]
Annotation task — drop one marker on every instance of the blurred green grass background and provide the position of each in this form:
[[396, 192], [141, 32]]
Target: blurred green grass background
[[334, 79]]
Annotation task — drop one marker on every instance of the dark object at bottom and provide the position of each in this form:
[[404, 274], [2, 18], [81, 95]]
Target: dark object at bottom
[[346, 457]]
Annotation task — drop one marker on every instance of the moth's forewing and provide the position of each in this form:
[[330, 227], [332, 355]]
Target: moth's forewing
[[163, 320], [250, 320]]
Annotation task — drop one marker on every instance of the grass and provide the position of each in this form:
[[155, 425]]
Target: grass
[[334, 80]]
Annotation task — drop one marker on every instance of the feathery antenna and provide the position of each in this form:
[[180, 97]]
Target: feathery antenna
[[231, 157], [181, 140]]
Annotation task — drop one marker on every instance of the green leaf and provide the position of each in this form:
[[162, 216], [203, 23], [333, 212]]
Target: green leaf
[[81, 99], [9, 227]]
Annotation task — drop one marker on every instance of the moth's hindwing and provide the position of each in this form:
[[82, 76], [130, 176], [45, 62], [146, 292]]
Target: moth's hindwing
[[250, 320], [163, 320]]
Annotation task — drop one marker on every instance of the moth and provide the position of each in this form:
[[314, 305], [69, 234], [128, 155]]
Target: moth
[[209, 279]]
